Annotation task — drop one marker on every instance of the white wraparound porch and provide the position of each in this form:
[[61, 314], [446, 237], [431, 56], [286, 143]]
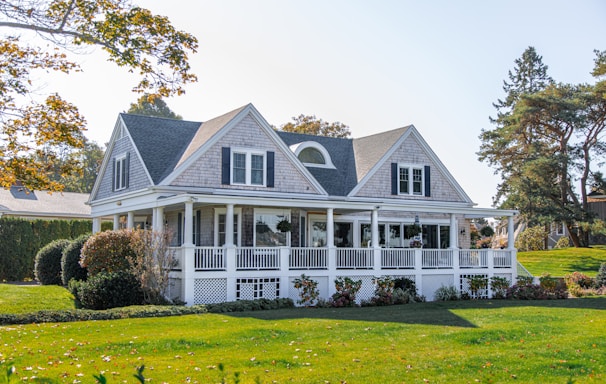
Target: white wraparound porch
[[217, 274]]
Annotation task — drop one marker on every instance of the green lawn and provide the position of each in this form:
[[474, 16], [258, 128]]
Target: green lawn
[[449, 342], [560, 262], [32, 298]]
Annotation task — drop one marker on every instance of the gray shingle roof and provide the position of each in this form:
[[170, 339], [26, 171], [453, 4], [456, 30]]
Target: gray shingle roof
[[339, 181], [370, 149], [161, 142]]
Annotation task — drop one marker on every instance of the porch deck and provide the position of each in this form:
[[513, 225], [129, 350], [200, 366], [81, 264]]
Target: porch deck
[[215, 274]]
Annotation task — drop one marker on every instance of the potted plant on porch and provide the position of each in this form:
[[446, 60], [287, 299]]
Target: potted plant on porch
[[284, 225]]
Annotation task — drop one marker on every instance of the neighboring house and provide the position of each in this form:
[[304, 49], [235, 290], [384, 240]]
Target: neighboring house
[[222, 186], [597, 204], [20, 202]]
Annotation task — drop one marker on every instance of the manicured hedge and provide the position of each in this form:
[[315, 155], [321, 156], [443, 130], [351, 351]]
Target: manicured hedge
[[20, 241]]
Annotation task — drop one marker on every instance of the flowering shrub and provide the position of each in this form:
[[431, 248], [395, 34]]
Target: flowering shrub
[[499, 286], [308, 290], [346, 292], [579, 284], [384, 289], [548, 283], [530, 291], [563, 242], [108, 251]]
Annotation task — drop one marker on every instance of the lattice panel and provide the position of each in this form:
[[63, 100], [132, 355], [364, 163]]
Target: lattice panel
[[464, 286], [367, 290], [174, 289], [209, 291], [257, 288]]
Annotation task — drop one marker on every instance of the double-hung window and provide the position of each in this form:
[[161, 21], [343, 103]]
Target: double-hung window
[[120, 176], [411, 180], [248, 167]]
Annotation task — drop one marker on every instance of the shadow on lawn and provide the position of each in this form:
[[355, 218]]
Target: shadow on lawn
[[434, 313], [586, 264]]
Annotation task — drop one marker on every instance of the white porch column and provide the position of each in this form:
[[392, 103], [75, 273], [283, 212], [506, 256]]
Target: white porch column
[[330, 227], [158, 219], [96, 224], [130, 221], [510, 233], [229, 226], [374, 228], [188, 255], [454, 232], [116, 221]]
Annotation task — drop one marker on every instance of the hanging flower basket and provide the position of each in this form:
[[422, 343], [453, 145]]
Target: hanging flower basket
[[414, 230], [284, 226]]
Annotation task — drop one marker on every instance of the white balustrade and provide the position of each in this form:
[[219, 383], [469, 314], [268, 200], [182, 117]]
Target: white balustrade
[[502, 258], [354, 258], [437, 258], [308, 258], [473, 258], [209, 259], [398, 258], [258, 258]]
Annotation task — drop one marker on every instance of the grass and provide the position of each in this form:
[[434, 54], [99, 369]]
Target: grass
[[33, 298], [466, 341], [560, 262]]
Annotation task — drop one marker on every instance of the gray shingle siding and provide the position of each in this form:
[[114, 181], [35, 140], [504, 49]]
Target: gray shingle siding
[[206, 170], [410, 152], [137, 176]]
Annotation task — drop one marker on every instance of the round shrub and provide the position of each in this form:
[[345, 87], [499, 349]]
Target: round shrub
[[109, 290], [108, 251], [70, 261], [446, 293], [47, 266], [563, 242]]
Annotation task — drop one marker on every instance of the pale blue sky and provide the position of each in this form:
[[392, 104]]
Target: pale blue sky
[[373, 65]]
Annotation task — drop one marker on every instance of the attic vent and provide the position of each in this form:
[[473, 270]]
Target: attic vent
[[312, 154]]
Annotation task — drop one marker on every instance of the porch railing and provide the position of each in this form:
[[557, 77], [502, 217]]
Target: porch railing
[[397, 258], [473, 258], [300, 258], [354, 258], [437, 258], [209, 259], [308, 258], [258, 258]]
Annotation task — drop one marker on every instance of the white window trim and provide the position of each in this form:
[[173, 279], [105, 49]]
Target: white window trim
[[223, 211], [297, 148], [411, 168], [248, 166], [119, 172]]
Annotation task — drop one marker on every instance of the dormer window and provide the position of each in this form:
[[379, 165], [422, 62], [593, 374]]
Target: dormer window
[[312, 154]]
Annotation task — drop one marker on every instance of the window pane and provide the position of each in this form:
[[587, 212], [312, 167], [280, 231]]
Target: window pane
[[221, 229], [343, 235], [417, 181], [266, 234], [395, 237], [318, 234], [404, 177], [444, 236], [256, 171], [311, 155], [239, 168]]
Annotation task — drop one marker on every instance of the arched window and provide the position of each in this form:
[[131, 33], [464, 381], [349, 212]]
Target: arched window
[[312, 154]]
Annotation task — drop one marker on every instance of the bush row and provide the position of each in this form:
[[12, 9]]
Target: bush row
[[142, 311], [20, 241]]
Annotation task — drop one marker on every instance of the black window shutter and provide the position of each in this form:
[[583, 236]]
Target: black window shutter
[[225, 165], [179, 228], [270, 168], [113, 174], [394, 178], [427, 181], [198, 231], [126, 170]]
